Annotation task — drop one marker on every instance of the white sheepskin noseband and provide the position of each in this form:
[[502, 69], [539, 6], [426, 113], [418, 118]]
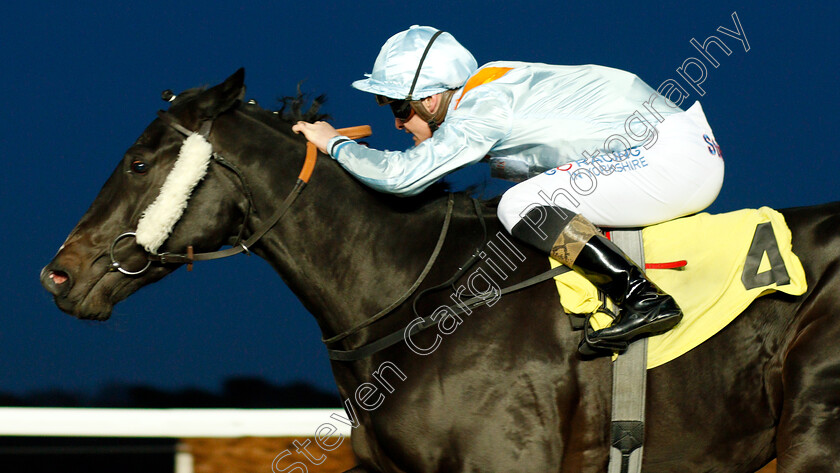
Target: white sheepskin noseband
[[160, 217]]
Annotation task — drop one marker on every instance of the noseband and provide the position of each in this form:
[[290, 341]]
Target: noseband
[[239, 246]]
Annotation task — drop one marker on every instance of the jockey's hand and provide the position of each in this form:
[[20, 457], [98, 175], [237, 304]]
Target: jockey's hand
[[318, 133]]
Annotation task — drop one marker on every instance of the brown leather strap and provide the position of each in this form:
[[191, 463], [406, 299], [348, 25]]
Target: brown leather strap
[[352, 132], [355, 132]]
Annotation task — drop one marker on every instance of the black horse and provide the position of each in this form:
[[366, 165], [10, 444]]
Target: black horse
[[503, 388]]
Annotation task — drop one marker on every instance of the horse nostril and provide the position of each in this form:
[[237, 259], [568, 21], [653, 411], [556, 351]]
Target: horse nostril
[[56, 281], [58, 277]]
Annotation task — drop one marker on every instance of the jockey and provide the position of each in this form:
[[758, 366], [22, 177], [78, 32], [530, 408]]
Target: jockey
[[579, 138]]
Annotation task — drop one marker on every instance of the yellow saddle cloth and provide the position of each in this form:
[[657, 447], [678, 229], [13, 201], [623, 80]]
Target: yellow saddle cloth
[[732, 259]]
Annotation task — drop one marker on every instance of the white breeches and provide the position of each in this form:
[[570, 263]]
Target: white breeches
[[680, 174]]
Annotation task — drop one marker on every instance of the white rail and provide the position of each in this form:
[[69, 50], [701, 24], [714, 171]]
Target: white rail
[[168, 423]]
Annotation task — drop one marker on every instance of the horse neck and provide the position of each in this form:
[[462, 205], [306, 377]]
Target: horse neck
[[343, 249]]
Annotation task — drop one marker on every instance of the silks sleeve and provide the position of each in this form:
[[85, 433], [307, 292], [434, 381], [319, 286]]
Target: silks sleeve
[[464, 138]]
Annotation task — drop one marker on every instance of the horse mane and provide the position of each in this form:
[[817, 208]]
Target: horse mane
[[292, 107]]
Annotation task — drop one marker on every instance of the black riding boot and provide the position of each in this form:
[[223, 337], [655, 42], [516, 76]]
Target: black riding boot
[[643, 308]]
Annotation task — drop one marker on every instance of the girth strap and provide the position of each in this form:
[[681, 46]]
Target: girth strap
[[629, 382], [365, 351]]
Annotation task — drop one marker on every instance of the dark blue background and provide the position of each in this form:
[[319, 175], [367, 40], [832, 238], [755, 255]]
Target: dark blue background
[[80, 83]]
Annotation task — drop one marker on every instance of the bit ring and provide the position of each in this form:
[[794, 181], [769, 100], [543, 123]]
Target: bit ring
[[116, 266]]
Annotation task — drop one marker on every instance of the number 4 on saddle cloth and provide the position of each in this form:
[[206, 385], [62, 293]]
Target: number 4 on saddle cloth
[[732, 259]]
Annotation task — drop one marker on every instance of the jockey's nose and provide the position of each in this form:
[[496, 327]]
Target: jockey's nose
[[399, 124]]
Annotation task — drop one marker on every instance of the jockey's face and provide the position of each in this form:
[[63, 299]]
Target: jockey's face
[[416, 126]]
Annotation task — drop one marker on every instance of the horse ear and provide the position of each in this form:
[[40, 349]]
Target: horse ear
[[222, 97]]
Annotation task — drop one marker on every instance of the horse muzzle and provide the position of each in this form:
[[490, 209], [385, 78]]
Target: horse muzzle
[[82, 281], [79, 299]]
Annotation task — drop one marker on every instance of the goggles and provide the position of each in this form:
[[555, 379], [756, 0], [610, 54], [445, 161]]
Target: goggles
[[400, 108]]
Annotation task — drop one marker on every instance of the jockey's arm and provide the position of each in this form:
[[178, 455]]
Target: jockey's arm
[[465, 137]]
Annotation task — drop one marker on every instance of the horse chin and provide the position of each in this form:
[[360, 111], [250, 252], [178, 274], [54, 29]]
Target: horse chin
[[90, 304], [86, 311], [90, 307], [98, 302]]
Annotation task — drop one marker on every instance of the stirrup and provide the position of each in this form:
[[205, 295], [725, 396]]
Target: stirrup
[[593, 347]]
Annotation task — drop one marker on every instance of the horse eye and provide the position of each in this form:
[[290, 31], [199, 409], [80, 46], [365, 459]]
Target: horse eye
[[139, 167]]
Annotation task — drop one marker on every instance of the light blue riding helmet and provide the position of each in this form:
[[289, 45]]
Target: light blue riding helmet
[[417, 63]]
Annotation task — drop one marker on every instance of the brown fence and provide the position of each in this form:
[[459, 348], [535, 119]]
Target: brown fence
[[257, 455]]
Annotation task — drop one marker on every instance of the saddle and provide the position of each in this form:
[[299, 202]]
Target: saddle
[[713, 265]]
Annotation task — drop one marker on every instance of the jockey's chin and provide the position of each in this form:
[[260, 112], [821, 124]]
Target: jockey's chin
[[416, 127]]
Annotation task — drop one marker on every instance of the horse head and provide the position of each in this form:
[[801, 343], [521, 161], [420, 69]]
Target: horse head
[[82, 276]]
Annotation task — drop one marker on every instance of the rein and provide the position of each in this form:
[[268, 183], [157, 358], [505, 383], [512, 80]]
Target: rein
[[429, 264], [420, 324], [240, 247]]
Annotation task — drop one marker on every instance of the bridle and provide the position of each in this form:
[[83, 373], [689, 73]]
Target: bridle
[[239, 246]]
